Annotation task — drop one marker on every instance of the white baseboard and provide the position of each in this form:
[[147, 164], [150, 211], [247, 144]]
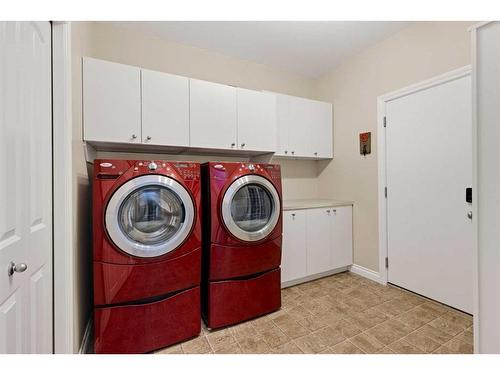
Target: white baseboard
[[86, 343], [366, 272]]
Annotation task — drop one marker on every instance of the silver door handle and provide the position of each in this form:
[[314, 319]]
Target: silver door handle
[[13, 267], [469, 215]]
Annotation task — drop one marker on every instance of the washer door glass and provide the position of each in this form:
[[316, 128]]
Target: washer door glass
[[252, 207], [151, 215]]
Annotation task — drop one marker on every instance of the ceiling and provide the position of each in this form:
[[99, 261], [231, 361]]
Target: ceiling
[[308, 48]]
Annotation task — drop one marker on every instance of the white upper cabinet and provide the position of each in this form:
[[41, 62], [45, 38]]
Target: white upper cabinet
[[256, 120], [320, 130], [111, 101], [165, 109], [304, 128], [213, 115]]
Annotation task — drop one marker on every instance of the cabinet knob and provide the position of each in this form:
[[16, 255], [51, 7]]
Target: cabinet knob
[[233, 144], [148, 138], [286, 152], [328, 211], [315, 154], [293, 152], [134, 136], [293, 215], [242, 145], [13, 267]]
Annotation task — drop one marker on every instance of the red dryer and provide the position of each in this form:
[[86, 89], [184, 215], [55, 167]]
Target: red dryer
[[242, 234], [147, 254]]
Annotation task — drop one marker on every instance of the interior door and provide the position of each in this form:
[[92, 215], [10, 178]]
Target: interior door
[[429, 166], [25, 188]]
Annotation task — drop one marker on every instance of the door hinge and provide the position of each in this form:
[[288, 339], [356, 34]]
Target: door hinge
[[385, 122], [386, 262], [385, 191]]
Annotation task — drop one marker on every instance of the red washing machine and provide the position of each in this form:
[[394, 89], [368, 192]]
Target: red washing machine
[[242, 233], [147, 254]]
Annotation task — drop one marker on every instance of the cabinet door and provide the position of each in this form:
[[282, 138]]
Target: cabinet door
[[318, 240], [256, 120], [111, 101], [299, 126], [294, 255], [165, 109], [283, 120], [320, 136], [341, 232], [213, 115]]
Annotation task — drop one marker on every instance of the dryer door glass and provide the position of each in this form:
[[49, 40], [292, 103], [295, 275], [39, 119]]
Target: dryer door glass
[[251, 208], [151, 215]]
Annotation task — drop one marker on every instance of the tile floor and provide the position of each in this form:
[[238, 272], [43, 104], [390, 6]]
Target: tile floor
[[343, 314]]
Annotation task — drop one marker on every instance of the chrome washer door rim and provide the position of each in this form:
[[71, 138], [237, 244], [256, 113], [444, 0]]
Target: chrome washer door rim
[[134, 248], [229, 222]]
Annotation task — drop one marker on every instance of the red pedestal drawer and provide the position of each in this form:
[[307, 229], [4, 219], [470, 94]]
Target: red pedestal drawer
[[150, 326], [118, 283], [227, 262], [233, 301]]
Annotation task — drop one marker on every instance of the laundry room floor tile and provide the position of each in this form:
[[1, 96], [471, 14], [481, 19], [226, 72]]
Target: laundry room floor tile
[[342, 314]]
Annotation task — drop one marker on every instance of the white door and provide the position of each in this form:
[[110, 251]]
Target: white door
[[213, 115], [341, 236], [256, 120], [165, 109], [429, 166], [111, 101], [26, 188], [300, 126], [321, 127], [293, 254], [318, 240]]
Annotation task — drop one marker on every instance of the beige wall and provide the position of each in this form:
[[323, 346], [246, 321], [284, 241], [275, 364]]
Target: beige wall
[[414, 54]]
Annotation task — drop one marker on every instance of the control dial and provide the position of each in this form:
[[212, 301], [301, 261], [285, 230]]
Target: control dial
[[152, 166]]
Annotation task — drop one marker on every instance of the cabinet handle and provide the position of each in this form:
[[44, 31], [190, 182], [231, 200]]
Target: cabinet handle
[[293, 152], [134, 136], [286, 152], [293, 215], [328, 211], [233, 144], [315, 154], [242, 145], [148, 138]]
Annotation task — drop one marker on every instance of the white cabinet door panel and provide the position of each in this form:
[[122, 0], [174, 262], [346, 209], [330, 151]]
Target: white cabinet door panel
[[321, 141], [318, 241], [165, 109], [283, 120], [111, 101], [341, 232], [256, 120], [213, 114], [293, 254], [299, 126]]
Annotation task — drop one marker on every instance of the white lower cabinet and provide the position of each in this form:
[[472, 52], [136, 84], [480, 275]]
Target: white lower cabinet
[[315, 241], [293, 256]]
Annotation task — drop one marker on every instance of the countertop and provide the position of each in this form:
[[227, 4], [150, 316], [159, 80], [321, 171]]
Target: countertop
[[302, 204]]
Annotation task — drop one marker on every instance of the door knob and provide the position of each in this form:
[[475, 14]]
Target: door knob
[[469, 215], [13, 267]]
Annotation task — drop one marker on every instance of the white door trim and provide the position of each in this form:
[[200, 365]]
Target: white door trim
[[62, 188], [381, 147]]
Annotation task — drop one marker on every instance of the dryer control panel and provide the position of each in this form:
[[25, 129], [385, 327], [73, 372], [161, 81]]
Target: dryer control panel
[[188, 171]]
